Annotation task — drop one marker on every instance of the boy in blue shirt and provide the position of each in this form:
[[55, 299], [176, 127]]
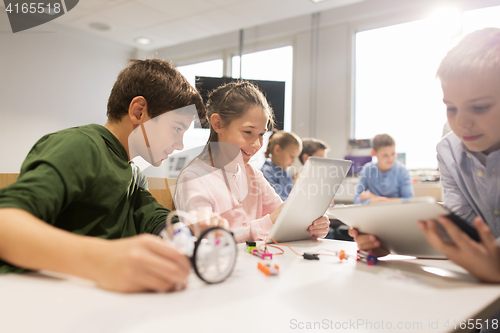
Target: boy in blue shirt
[[386, 180]]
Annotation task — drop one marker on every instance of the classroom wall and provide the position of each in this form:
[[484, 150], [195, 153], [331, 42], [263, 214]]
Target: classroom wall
[[325, 65], [321, 102], [50, 79], [53, 78]]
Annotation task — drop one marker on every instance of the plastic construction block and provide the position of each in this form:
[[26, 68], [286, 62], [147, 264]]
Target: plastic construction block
[[267, 255], [262, 255], [250, 249], [311, 256], [268, 269], [342, 255], [371, 260], [366, 257]]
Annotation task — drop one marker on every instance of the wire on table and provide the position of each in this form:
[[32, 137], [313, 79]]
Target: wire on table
[[282, 251]]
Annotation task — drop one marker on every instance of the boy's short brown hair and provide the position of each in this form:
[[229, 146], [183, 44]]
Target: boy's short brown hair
[[159, 82], [382, 140], [311, 146], [478, 52]]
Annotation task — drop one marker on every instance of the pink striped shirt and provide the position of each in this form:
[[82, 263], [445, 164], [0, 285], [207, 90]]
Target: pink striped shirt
[[245, 201]]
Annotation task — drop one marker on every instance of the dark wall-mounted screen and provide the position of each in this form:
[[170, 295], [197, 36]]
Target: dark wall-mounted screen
[[273, 90]]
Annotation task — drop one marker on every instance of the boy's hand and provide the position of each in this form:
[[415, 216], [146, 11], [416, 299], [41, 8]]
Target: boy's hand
[[481, 259], [320, 227], [368, 243], [366, 195], [376, 199], [142, 263]]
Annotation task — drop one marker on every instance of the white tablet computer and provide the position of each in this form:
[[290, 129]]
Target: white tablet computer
[[309, 199], [395, 224]]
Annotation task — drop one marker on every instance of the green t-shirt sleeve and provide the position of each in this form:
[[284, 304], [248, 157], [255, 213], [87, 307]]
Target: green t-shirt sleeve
[[149, 216], [49, 180]]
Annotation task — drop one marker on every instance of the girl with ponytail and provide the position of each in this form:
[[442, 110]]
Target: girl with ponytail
[[220, 178]]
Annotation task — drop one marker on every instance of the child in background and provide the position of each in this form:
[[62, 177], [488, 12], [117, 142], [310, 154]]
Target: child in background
[[469, 158], [282, 150], [239, 116], [312, 147], [386, 180]]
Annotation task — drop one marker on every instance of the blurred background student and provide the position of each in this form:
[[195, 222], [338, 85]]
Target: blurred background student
[[282, 151], [386, 179], [312, 147]]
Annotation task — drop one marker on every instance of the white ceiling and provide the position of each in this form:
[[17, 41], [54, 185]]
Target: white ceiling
[[170, 22]]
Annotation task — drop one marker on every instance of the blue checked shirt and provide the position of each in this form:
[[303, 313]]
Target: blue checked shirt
[[471, 182]]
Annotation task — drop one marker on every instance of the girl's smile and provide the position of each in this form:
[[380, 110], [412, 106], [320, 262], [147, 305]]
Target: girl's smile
[[247, 132]]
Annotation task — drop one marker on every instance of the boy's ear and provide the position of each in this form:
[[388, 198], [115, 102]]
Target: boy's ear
[[138, 110], [276, 149], [216, 122], [373, 152]]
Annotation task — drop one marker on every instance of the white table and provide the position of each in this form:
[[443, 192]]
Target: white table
[[326, 292]]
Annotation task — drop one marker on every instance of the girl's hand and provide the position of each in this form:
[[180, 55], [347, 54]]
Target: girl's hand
[[320, 227], [368, 243], [481, 259], [206, 220], [274, 215]]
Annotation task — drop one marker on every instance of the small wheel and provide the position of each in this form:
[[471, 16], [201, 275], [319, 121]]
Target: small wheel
[[214, 255]]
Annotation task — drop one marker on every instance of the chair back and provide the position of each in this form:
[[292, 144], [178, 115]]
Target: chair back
[[7, 178], [162, 189]]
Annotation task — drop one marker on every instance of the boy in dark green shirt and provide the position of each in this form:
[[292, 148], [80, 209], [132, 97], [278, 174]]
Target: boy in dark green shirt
[[78, 183]]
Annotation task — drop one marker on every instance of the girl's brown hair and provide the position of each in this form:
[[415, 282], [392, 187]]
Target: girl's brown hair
[[282, 139], [232, 100]]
